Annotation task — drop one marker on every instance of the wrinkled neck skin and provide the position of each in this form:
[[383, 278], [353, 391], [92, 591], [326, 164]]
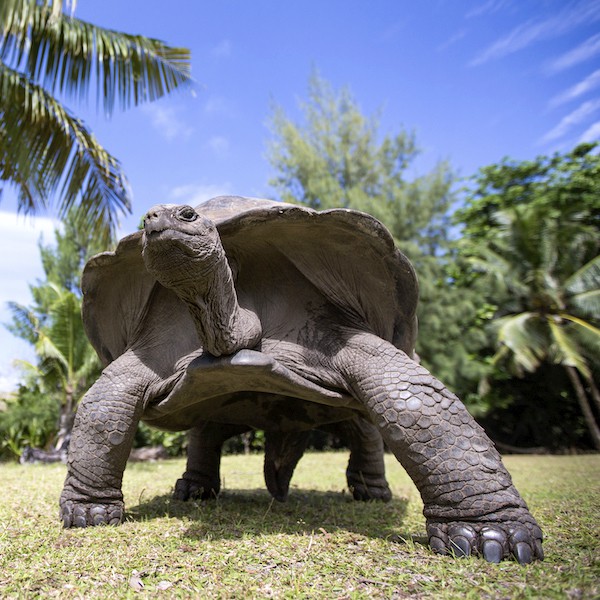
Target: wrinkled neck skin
[[223, 326], [197, 270]]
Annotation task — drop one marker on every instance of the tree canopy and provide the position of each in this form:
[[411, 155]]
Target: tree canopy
[[531, 245], [45, 150], [66, 363]]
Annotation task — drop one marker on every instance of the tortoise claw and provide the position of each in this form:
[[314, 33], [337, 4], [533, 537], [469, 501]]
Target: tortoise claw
[[492, 551], [463, 540], [83, 514], [521, 543], [522, 553], [366, 487], [494, 541], [494, 544]]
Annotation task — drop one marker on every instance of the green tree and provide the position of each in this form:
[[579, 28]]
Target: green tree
[[337, 157], [45, 56], [531, 238], [563, 184], [66, 363]]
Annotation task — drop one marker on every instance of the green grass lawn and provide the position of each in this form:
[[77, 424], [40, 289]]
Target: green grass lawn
[[320, 544]]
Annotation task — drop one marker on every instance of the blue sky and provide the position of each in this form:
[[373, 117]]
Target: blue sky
[[475, 80]]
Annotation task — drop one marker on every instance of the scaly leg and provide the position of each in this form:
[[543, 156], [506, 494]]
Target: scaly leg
[[471, 505], [366, 470], [202, 478], [101, 441], [283, 450]]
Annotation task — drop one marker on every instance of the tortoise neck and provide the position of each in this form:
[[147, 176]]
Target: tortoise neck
[[223, 326]]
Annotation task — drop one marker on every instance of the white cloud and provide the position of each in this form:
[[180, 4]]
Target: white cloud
[[591, 134], [393, 31], [194, 193], [533, 31], [223, 49], [218, 106], [583, 52], [166, 120], [20, 265], [487, 8], [459, 35], [583, 87], [574, 118], [218, 145]]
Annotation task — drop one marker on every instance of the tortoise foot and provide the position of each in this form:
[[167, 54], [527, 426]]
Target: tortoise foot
[[278, 479], [90, 514], [491, 538], [365, 487], [194, 486]]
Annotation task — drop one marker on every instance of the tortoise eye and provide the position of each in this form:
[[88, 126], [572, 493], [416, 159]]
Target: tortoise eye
[[187, 213]]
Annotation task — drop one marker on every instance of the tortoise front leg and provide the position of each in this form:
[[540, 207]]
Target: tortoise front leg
[[101, 442], [471, 505]]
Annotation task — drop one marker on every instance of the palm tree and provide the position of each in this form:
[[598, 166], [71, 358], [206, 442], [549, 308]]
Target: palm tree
[[67, 363], [46, 55], [547, 270]]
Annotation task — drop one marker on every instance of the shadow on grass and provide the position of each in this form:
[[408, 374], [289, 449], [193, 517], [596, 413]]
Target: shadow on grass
[[238, 513]]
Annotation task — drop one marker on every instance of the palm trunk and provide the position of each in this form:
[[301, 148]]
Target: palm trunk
[[66, 419], [595, 392], [585, 406]]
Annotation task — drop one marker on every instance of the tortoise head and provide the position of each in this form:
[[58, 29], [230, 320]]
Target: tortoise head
[[183, 251], [179, 244]]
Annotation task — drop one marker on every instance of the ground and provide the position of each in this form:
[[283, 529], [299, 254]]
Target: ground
[[320, 544]]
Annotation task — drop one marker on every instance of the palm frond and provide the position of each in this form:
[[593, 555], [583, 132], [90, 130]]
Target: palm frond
[[566, 349], [582, 324], [28, 368], [51, 151], [71, 57], [587, 303], [88, 369], [47, 350], [586, 278], [583, 288], [25, 323], [522, 335]]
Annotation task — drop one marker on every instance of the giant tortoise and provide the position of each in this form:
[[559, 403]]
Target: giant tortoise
[[250, 313]]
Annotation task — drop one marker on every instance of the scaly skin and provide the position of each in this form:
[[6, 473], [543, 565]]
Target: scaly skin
[[471, 505], [202, 479], [102, 437], [283, 450], [366, 470]]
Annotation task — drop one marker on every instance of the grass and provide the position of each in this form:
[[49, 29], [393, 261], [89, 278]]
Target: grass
[[320, 544]]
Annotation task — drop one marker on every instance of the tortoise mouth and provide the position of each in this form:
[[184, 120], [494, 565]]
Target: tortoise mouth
[[168, 234], [172, 237]]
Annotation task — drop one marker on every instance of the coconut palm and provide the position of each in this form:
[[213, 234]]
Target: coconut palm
[[47, 56], [547, 271], [66, 361]]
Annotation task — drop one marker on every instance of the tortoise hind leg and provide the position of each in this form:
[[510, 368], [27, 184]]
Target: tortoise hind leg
[[202, 478], [366, 469], [283, 451]]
